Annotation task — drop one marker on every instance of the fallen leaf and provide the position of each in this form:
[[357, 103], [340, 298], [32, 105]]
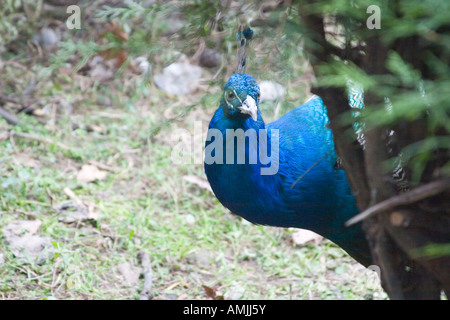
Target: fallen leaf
[[303, 236], [94, 128], [92, 213], [118, 57], [212, 293], [235, 292], [31, 248], [26, 160], [90, 173], [73, 196], [129, 273], [21, 227], [176, 284], [117, 31], [75, 212], [24, 244], [202, 183]]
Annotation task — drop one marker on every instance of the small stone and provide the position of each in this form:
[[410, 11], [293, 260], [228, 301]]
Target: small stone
[[179, 78], [210, 58], [48, 37], [190, 219], [143, 64], [271, 91]]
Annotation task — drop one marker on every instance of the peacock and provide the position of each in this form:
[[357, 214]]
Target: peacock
[[284, 173]]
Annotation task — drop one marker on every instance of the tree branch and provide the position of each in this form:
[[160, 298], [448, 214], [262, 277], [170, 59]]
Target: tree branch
[[10, 118], [41, 139], [146, 293], [417, 194]]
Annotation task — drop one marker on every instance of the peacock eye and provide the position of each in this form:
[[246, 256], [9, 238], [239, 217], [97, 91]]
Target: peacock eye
[[230, 95]]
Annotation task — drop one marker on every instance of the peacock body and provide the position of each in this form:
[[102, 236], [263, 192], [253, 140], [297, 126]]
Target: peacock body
[[302, 186]]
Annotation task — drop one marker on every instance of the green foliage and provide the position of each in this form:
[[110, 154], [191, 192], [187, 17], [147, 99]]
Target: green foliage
[[12, 21], [143, 25], [85, 50], [408, 90], [432, 251]]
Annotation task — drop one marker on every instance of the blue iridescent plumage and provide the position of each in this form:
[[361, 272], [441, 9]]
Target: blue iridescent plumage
[[307, 191]]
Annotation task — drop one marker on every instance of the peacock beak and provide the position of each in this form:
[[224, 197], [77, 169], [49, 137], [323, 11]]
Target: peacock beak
[[249, 107]]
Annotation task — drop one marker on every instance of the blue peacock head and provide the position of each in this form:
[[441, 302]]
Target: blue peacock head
[[241, 97]]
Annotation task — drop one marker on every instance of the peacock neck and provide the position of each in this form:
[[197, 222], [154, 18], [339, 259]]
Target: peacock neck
[[242, 153]]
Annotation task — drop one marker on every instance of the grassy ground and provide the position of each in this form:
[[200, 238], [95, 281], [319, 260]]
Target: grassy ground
[[196, 247]]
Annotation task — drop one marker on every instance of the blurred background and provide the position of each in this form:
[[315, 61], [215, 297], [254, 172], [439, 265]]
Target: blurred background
[[91, 203]]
